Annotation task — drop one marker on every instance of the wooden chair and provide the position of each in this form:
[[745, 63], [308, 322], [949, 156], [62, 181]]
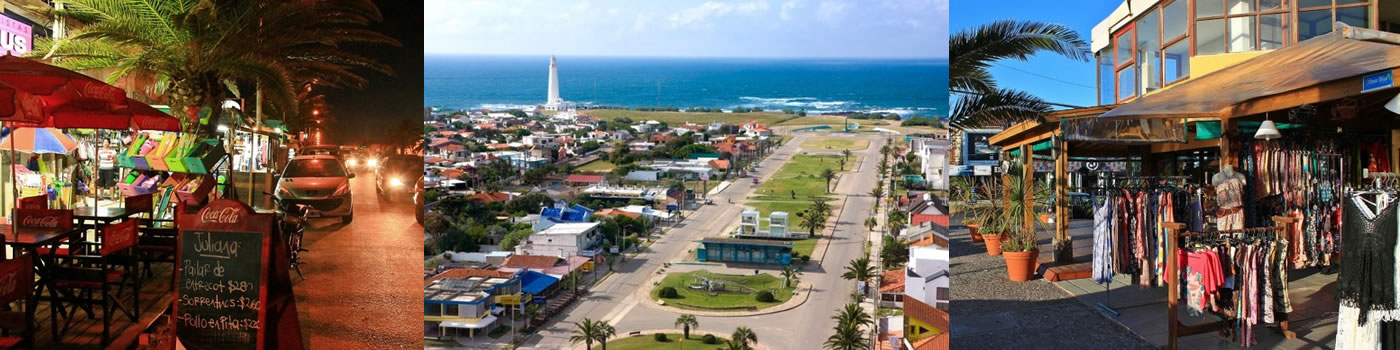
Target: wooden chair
[[17, 284], [64, 221], [157, 245], [89, 279]]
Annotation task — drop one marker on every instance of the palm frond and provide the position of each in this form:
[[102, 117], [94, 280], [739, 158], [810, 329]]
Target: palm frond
[[997, 108], [973, 51]]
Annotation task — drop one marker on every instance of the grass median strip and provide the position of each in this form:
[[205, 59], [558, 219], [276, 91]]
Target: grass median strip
[[744, 287]]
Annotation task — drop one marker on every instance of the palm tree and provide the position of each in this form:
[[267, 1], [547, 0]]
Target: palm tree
[[859, 269], [605, 331], [973, 51], [744, 336], [845, 154], [687, 321], [820, 205], [846, 338], [530, 312], [812, 220], [870, 223], [853, 315], [586, 332], [828, 175], [790, 276], [197, 50]]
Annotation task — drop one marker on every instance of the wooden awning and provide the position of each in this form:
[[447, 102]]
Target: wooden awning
[[1323, 68]]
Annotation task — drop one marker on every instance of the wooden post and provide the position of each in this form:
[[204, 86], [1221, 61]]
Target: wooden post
[[1064, 249], [1173, 327], [1028, 191], [1227, 155]]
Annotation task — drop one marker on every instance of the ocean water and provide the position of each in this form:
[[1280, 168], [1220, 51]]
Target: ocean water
[[905, 86]]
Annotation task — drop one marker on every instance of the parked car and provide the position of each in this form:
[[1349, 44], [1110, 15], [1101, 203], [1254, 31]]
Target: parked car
[[755, 181], [331, 150], [396, 175], [320, 182]]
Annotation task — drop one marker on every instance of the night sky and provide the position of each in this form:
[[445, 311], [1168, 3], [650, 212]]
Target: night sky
[[386, 99]]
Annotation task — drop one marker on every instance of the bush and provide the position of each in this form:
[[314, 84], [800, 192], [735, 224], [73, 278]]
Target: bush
[[661, 337], [765, 297], [805, 258], [669, 293], [709, 339]]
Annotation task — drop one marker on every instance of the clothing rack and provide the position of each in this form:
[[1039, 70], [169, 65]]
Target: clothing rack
[[1107, 287], [1176, 329]]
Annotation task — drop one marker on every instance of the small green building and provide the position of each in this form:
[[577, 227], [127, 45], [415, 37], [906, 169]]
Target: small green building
[[749, 251]]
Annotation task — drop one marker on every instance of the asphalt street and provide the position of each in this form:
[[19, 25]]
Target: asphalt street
[[362, 286], [804, 327]]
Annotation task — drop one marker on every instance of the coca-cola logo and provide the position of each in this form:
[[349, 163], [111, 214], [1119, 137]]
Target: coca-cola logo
[[228, 215], [40, 221]]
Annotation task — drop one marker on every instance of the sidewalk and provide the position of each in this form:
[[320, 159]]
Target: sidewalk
[[991, 312]]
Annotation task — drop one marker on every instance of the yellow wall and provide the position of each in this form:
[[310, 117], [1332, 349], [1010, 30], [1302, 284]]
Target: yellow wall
[[911, 329], [1202, 65]]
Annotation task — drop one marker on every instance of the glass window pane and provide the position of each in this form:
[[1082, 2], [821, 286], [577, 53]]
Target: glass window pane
[[1242, 34], [1266, 5], [1174, 19], [1176, 61], [1106, 77], [1148, 51], [1314, 23], [1273, 31], [1210, 37], [1240, 6], [1209, 8], [1127, 82], [1125, 48], [1353, 16], [1344, 2], [1313, 3]]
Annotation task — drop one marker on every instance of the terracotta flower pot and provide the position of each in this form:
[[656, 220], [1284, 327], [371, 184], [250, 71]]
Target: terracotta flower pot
[[972, 230], [993, 242], [1020, 266]]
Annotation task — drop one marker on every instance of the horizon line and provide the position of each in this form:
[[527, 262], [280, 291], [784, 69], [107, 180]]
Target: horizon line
[[425, 54]]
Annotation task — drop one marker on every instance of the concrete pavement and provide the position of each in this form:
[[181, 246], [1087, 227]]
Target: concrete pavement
[[362, 287]]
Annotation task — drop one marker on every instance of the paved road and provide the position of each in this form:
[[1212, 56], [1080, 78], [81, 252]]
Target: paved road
[[362, 287], [805, 327]]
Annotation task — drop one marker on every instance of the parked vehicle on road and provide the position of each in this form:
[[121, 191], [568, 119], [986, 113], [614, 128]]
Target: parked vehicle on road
[[396, 175], [321, 183]]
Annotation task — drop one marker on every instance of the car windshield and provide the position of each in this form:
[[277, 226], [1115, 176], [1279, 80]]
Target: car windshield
[[314, 168], [407, 164]]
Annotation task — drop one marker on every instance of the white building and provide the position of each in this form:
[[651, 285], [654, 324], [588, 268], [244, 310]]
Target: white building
[[933, 161], [541, 140], [562, 240], [749, 221], [926, 275]]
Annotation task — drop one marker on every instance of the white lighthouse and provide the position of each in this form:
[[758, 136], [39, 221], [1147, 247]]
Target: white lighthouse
[[554, 102]]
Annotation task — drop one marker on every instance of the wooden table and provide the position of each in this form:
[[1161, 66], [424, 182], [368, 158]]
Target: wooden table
[[31, 240]]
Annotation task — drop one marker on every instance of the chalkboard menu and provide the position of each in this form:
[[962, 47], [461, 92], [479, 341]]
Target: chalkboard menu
[[221, 278], [220, 289]]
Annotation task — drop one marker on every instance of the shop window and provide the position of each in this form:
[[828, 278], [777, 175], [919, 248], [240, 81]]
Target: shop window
[[1236, 7], [1149, 48], [1354, 16], [1314, 23], [1313, 3], [1176, 61], [1210, 8], [1174, 20], [1127, 83], [1270, 5], [1242, 34], [1106, 77], [1273, 29], [450, 309], [1210, 37], [1124, 44]]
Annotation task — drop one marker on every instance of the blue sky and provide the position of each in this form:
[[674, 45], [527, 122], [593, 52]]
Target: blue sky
[[1081, 15], [741, 28]]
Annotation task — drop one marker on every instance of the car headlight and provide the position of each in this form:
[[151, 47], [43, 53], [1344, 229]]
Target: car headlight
[[395, 182], [350, 162], [343, 189], [372, 163]]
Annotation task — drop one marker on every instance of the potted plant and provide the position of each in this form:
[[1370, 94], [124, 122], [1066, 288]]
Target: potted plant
[[1019, 246], [964, 203]]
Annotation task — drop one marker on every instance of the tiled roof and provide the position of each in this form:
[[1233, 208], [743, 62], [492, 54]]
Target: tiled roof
[[939, 342], [615, 211], [591, 179], [490, 197], [928, 314], [720, 164], [466, 273], [538, 262], [892, 281]]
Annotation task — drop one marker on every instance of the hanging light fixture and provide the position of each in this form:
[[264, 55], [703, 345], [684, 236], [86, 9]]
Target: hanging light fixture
[[1267, 130], [1394, 105]]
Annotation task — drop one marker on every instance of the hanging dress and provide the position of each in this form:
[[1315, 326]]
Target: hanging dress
[[1103, 242]]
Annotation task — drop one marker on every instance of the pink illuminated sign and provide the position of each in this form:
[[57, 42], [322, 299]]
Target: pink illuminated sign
[[16, 38]]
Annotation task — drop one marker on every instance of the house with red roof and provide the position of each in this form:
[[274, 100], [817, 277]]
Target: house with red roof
[[490, 197], [583, 179]]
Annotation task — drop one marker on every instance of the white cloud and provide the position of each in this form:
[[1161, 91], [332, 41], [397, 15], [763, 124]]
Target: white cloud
[[641, 22], [714, 9], [786, 11], [831, 10]]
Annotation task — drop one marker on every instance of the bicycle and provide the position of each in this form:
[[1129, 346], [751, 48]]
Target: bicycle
[[292, 221]]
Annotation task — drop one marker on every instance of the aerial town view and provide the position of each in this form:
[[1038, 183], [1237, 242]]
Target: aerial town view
[[696, 175]]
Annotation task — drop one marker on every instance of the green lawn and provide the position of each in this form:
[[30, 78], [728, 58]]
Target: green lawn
[[597, 166], [682, 280], [676, 119], [648, 342], [835, 144], [803, 175]]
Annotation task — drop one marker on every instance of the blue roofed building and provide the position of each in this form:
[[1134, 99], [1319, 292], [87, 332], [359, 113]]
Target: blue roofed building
[[562, 213]]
